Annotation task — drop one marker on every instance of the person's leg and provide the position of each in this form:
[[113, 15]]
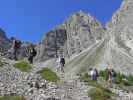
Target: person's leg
[[95, 77], [58, 68], [30, 59], [62, 68], [15, 54], [109, 82]]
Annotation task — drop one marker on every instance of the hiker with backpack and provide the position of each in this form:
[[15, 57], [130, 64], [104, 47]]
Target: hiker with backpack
[[16, 45], [31, 53], [62, 63], [94, 74]]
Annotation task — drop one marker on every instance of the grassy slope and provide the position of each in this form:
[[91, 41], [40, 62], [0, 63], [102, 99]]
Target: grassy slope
[[23, 66]]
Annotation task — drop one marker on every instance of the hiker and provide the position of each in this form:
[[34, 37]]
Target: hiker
[[62, 63], [94, 74], [31, 53], [16, 46], [110, 74]]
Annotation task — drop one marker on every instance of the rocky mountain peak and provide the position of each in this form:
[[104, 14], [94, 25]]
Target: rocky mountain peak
[[82, 31], [77, 33]]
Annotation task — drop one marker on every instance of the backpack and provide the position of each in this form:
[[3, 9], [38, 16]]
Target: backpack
[[62, 61], [113, 73], [17, 44]]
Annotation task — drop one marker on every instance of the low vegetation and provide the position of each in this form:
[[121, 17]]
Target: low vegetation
[[49, 75], [1, 64], [12, 98], [118, 78], [98, 92], [23, 66]]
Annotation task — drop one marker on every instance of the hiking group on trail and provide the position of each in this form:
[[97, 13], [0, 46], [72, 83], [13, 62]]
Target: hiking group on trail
[[16, 48], [110, 74], [60, 60], [31, 52]]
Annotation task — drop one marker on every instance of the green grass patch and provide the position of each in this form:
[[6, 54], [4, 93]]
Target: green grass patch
[[103, 74], [130, 78], [1, 64], [12, 98], [49, 75], [23, 66], [100, 94]]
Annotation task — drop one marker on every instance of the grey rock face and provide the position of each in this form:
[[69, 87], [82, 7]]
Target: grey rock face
[[120, 30], [82, 32], [78, 33], [4, 42], [52, 44]]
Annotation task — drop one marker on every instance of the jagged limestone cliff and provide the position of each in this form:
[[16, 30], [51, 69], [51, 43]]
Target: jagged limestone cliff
[[79, 32]]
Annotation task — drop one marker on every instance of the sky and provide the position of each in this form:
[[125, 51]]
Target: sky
[[29, 20]]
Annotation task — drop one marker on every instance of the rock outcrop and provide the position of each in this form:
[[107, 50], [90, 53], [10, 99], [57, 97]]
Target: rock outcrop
[[78, 33], [121, 34], [4, 41], [52, 43], [83, 31]]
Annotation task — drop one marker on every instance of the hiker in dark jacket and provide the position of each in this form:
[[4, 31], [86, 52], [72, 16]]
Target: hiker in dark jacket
[[32, 53], [16, 45], [62, 63]]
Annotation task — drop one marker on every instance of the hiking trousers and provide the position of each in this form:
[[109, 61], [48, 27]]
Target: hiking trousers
[[30, 59], [15, 53]]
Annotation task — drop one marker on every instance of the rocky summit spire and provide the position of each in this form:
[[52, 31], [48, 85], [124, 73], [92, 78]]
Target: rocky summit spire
[[79, 32], [83, 31]]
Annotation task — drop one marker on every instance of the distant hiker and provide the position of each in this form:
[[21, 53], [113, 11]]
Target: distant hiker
[[94, 74], [16, 46], [62, 63], [31, 53], [110, 73]]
